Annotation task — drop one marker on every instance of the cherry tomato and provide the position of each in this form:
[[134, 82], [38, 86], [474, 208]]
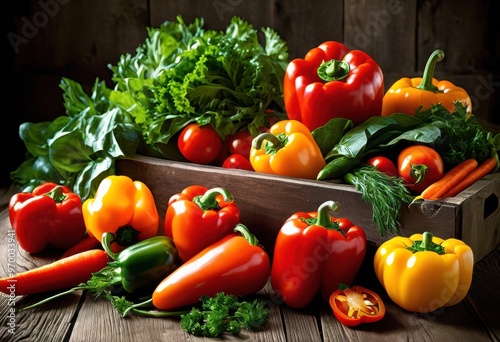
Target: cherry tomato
[[344, 223], [199, 144], [237, 161], [241, 143], [223, 153], [355, 305], [420, 166], [384, 164]]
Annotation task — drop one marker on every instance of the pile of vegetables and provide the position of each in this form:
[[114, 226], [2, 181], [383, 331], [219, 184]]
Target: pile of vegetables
[[182, 74], [210, 281], [226, 99]]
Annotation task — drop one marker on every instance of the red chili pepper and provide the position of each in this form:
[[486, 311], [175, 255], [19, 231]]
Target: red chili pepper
[[332, 81], [50, 215], [355, 305], [234, 265], [313, 254], [196, 221]]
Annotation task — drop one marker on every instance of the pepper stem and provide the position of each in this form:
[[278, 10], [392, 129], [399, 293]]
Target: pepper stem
[[324, 210], [426, 245], [243, 230], [426, 83], [266, 136], [57, 194], [208, 201], [107, 240], [333, 70]]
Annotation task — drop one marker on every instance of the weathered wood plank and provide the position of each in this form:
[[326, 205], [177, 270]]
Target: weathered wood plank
[[217, 14], [53, 320], [275, 198], [81, 38], [98, 318], [385, 30], [468, 63], [483, 296], [305, 24]]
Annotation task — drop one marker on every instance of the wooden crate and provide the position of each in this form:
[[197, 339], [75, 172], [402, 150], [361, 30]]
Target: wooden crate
[[267, 201]]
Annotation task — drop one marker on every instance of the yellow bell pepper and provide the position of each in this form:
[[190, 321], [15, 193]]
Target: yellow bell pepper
[[288, 149], [123, 207], [408, 94], [423, 273]]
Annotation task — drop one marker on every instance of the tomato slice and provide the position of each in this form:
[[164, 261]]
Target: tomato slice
[[355, 305]]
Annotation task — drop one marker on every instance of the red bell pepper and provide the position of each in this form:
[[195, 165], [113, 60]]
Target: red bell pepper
[[235, 264], [198, 217], [330, 82], [50, 215], [315, 252]]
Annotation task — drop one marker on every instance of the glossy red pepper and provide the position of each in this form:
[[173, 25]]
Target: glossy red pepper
[[50, 215], [235, 264], [313, 254], [355, 305], [198, 217], [330, 82]]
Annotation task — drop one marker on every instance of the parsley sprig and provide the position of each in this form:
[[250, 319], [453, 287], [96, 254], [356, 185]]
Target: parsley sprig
[[224, 314]]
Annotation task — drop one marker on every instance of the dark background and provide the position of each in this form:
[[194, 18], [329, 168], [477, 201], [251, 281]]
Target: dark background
[[45, 40]]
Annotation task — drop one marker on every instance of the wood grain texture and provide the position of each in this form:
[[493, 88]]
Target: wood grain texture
[[386, 30], [305, 24], [267, 201], [67, 319], [216, 13]]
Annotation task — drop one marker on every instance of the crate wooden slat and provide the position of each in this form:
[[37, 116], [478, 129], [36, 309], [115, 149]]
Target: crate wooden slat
[[266, 201]]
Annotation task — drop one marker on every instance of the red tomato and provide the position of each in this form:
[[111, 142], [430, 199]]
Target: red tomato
[[199, 144], [241, 143], [223, 153], [384, 164], [420, 166], [344, 223], [237, 161]]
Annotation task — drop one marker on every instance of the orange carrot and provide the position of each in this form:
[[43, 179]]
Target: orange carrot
[[60, 274], [87, 243], [449, 180], [482, 170]]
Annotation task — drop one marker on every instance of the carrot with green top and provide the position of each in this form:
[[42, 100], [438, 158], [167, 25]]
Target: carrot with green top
[[60, 274], [449, 180], [482, 170]]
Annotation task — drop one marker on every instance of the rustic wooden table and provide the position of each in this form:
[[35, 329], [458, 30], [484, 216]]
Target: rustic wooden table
[[80, 317]]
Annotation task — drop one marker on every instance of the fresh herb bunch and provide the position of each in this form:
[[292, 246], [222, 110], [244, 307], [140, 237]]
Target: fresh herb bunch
[[387, 194], [186, 73], [180, 74], [225, 314], [462, 136]]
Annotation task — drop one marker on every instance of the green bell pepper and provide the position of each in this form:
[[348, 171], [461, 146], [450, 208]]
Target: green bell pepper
[[143, 264]]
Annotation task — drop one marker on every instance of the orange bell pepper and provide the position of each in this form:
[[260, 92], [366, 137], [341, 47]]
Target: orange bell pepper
[[288, 149], [123, 207], [407, 95]]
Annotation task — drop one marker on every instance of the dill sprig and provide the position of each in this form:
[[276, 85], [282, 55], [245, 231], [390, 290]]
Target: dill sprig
[[385, 193]]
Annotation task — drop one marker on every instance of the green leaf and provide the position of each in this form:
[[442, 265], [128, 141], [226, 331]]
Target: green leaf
[[330, 134], [37, 135], [92, 174]]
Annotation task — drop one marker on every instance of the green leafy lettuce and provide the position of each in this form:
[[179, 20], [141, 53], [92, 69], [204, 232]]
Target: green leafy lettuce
[[180, 74]]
